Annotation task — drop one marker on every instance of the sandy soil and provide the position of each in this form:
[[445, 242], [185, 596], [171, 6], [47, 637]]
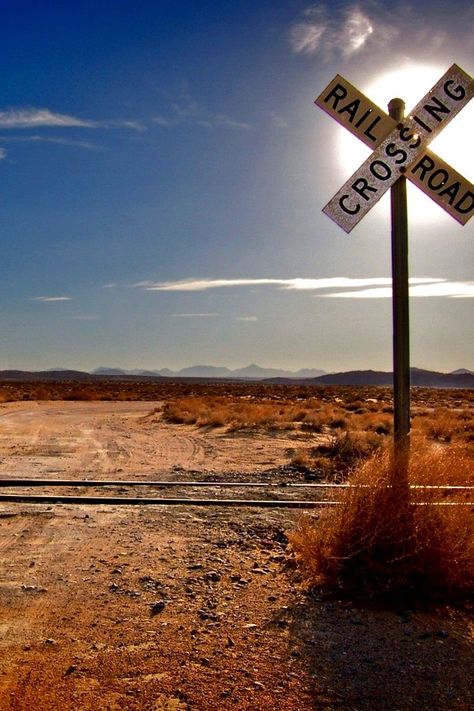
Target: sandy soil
[[175, 608]]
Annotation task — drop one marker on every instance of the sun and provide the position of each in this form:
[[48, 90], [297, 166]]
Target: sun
[[411, 82]]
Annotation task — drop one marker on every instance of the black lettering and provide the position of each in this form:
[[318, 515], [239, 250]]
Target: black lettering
[[363, 117], [392, 151], [361, 187], [369, 128], [405, 138], [424, 166], [457, 94], [436, 108], [343, 206], [451, 191], [422, 124], [443, 178], [337, 93], [460, 207], [386, 171], [351, 108]]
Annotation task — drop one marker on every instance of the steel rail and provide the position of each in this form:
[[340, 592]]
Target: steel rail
[[14, 482], [140, 501]]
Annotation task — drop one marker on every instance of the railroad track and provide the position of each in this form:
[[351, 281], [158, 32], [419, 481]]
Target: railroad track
[[50, 498]]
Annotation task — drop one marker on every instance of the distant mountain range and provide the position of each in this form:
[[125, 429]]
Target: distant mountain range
[[460, 378], [251, 372]]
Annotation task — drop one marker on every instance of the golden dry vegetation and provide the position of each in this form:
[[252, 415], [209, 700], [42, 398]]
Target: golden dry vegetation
[[387, 539]]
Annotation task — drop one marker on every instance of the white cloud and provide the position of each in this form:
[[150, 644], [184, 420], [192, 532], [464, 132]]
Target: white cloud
[[31, 118], [246, 318], [456, 290], [122, 123], [186, 110], [3, 153], [396, 29], [195, 315], [47, 299], [297, 284], [346, 30], [354, 288]]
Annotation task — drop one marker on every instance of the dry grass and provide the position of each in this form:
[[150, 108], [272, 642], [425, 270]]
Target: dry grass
[[377, 543], [244, 413]]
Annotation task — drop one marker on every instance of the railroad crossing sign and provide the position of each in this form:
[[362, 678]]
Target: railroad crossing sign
[[400, 148]]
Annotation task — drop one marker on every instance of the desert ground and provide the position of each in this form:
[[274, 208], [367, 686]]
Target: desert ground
[[174, 608]]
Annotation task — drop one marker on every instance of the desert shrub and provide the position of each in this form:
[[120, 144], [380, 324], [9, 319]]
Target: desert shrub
[[337, 423], [301, 459], [389, 539], [445, 425], [347, 449]]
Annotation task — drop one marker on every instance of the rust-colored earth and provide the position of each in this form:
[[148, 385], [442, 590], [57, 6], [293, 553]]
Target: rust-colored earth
[[174, 608]]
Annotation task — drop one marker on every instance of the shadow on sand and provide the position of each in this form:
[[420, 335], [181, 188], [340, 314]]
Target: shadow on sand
[[367, 658]]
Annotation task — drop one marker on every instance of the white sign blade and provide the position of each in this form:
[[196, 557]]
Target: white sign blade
[[353, 110], [400, 149], [448, 188]]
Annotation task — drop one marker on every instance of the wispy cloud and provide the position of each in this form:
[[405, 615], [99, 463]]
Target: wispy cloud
[[278, 121], [48, 299], [349, 28], [450, 289], [194, 315], [345, 30], [31, 117], [354, 288], [85, 317], [184, 109], [299, 284], [3, 153], [246, 318]]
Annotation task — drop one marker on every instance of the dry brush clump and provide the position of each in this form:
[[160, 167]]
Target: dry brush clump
[[388, 540], [243, 413]]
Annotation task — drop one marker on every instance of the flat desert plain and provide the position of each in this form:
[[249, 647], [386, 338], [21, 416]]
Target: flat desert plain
[[176, 608]]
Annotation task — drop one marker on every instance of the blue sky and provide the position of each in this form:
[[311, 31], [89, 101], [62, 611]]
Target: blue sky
[[163, 171]]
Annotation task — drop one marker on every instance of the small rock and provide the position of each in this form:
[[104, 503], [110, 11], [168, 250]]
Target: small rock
[[213, 576], [70, 670], [33, 588], [157, 607]]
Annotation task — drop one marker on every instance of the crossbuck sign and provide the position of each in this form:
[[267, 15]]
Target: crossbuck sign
[[400, 148]]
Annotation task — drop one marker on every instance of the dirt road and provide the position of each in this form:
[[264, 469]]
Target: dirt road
[[187, 608]]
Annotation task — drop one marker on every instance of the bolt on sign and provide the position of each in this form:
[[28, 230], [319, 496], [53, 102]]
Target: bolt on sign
[[399, 148]]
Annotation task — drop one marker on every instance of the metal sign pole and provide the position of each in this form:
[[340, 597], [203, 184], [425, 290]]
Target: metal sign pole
[[401, 331]]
